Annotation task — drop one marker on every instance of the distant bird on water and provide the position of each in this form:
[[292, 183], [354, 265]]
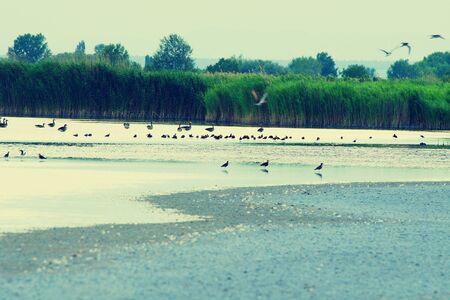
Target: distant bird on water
[[437, 36], [23, 152], [150, 126], [52, 123], [40, 125], [126, 125], [63, 128], [42, 156], [407, 45], [210, 129], [386, 53], [265, 164], [395, 136], [422, 136], [224, 165], [107, 135], [319, 167], [260, 129], [6, 155]]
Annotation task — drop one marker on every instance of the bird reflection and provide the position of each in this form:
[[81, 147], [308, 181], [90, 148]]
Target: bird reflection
[[320, 175], [265, 171]]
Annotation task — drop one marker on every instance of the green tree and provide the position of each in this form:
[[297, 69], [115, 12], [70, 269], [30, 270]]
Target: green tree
[[81, 48], [328, 64], [401, 69], [305, 65], [230, 65], [29, 48], [114, 54], [436, 64], [358, 72], [174, 53]]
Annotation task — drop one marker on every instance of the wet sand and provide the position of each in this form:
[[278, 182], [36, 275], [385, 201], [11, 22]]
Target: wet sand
[[330, 241]]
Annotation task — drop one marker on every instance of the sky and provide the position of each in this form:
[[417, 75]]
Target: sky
[[282, 29]]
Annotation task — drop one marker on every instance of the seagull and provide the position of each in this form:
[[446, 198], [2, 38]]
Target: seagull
[[40, 125], [265, 164], [407, 45], [210, 129], [436, 36], [261, 101], [224, 165], [23, 152], [63, 128], [6, 155], [42, 156], [319, 167], [52, 123], [387, 53]]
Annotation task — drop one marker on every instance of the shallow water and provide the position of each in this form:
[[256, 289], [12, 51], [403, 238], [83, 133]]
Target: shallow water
[[97, 180]]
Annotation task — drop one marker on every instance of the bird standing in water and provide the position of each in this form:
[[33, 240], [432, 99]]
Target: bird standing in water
[[319, 167], [265, 164], [225, 165]]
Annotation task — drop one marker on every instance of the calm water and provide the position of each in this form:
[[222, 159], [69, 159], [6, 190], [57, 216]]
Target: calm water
[[98, 180]]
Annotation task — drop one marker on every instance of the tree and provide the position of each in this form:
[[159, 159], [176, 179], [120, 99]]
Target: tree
[[401, 69], [81, 48], [306, 66], [29, 48], [230, 65], [113, 53], [436, 64], [358, 72], [328, 64], [174, 53]]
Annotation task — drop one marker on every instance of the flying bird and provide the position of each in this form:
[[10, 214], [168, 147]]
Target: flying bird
[[436, 36], [224, 165], [407, 45], [259, 101], [387, 53]]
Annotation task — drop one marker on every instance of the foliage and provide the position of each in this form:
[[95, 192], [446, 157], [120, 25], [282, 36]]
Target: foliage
[[114, 54], [328, 64], [358, 72], [240, 65], [305, 66], [174, 53], [29, 48], [81, 48], [401, 69]]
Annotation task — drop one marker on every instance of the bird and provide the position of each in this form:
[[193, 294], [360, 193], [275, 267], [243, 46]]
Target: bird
[[149, 135], [318, 138], [260, 129], [407, 45], [319, 167], [224, 165], [395, 136], [150, 126], [42, 156], [23, 152], [179, 128], [387, 53], [135, 136], [51, 124], [107, 135], [261, 101], [436, 36], [422, 136], [75, 135], [265, 164], [210, 129], [126, 125], [6, 155], [63, 128], [187, 127], [40, 125]]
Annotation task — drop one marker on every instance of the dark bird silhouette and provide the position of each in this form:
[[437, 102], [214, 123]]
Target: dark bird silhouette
[[318, 138], [260, 129], [422, 136], [4, 123], [107, 135], [135, 136], [342, 137], [179, 128], [52, 123], [42, 156], [62, 128], [126, 125], [407, 45], [395, 136], [265, 164], [386, 53], [75, 135], [150, 126], [210, 129], [437, 36], [149, 135], [6, 155], [319, 167], [224, 165], [354, 141], [40, 125], [23, 152]]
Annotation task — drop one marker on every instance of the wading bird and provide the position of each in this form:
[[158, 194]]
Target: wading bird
[[42, 156], [319, 167], [265, 164], [224, 165], [6, 155], [395, 136]]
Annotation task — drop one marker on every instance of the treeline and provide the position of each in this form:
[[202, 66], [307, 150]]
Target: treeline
[[100, 90]]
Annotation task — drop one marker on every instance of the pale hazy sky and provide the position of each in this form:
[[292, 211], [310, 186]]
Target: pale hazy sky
[[282, 29]]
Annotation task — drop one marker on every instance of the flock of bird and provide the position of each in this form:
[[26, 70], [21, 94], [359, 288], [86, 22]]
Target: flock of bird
[[408, 45]]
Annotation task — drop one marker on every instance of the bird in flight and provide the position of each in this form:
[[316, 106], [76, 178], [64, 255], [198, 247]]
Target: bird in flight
[[387, 53], [436, 36], [259, 101], [407, 45]]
